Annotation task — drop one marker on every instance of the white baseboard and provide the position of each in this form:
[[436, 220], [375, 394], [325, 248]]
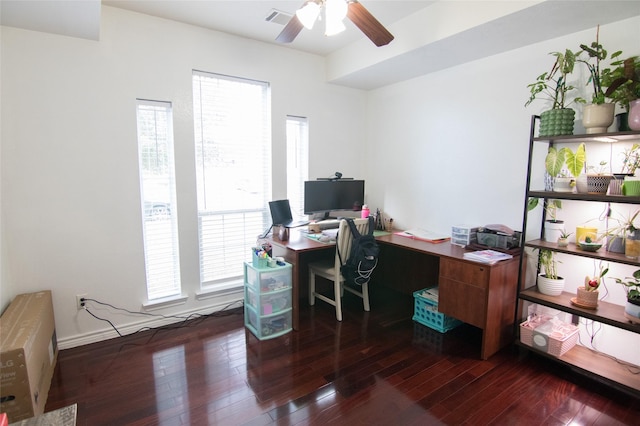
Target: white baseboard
[[151, 322]]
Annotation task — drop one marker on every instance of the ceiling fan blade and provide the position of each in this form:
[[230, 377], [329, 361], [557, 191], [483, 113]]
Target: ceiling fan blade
[[290, 31], [368, 24]]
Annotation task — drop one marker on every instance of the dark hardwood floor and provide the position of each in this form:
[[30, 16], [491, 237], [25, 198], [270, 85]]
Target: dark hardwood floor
[[376, 368]]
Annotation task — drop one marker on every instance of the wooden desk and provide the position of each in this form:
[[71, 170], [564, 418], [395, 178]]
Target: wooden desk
[[481, 295]]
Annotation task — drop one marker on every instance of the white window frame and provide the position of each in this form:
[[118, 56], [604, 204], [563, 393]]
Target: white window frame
[[158, 199], [232, 127], [297, 162]]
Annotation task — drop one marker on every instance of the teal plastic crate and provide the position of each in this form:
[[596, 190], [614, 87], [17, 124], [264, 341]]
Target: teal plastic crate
[[426, 313]]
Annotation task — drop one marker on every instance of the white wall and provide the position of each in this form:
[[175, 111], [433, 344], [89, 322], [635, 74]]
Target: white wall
[[451, 147], [70, 186]]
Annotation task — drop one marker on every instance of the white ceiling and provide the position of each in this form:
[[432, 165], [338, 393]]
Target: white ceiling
[[429, 35]]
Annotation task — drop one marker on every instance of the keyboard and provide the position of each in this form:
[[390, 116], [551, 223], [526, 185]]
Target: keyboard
[[328, 224], [323, 224]]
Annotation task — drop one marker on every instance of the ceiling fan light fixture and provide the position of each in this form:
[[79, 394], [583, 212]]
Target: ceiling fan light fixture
[[308, 14], [333, 27], [335, 11]]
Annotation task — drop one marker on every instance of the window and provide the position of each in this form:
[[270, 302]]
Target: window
[[158, 194], [297, 162], [233, 171]]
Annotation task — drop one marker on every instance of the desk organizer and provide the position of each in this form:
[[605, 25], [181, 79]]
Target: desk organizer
[[426, 313], [267, 300]]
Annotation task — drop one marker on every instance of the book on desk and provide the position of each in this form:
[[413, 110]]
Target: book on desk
[[424, 235], [486, 256]]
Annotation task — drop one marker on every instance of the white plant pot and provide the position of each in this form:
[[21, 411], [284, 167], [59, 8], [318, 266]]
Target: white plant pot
[[564, 184], [597, 118], [632, 312], [581, 184], [550, 287], [553, 230]]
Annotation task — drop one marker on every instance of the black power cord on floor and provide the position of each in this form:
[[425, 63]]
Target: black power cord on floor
[[225, 311]]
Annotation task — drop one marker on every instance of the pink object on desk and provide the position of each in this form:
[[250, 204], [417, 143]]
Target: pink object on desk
[[364, 213]]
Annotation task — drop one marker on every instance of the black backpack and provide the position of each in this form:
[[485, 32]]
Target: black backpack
[[363, 258]]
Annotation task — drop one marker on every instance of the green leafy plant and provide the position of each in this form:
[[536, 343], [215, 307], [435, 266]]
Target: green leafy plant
[[632, 286], [623, 225], [551, 207], [596, 54], [600, 169], [565, 234], [575, 160], [549, 264], [631, 159], [556, 159], [552, 85], [623, 81]]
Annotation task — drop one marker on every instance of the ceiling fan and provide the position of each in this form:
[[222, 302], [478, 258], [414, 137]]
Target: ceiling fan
[[334, 12]]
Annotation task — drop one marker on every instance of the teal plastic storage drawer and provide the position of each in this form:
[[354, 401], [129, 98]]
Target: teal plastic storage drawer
[[262, 280], [267, 326], [269, 303]]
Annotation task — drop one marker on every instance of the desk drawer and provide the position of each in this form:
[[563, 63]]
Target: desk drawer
[[462, 301], [465, 272]]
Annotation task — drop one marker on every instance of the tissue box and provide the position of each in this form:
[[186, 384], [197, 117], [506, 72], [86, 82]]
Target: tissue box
[[555, 337]]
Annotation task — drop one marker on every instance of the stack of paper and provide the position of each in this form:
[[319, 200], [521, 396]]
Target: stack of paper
[[430, 293], [424, 235], [331, 233], [486, 256]]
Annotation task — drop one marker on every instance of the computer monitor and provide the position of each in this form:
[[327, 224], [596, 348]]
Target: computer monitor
[[325, 196]]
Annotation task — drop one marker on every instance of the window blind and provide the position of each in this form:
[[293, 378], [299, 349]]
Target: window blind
[[233, 162], [158, 194], [297, 162]]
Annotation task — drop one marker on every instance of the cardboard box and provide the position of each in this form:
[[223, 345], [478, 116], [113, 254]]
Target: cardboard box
[[28, 353]]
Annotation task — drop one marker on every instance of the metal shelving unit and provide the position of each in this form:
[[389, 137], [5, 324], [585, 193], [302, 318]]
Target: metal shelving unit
[[598, 366]]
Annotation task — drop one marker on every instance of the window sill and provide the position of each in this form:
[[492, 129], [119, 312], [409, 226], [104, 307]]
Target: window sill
[[165, 302], [230, 289]]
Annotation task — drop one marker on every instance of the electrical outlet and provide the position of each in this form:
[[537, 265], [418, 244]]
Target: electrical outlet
[[79, 302]]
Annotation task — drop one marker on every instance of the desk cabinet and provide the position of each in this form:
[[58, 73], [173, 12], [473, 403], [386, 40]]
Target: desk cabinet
[[480, 295], [463, 290]]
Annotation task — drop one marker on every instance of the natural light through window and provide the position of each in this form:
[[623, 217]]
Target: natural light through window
[[158, 193], [297, 162], [233, 172]]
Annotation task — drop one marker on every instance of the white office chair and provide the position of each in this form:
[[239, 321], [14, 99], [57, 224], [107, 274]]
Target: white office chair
[[331, 270]]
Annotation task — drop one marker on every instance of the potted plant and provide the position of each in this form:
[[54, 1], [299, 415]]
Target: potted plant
[[587, 295], [623, 88], [555, 161], [616, 235], [598, 178], [563, 240], [553, 226], [630, 162], [553, 86], [632, 287], [549, 282], [597, 116]]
